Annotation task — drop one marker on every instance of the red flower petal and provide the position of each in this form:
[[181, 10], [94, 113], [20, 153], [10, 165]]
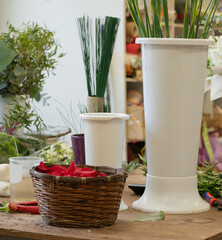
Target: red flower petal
[[42, 167], [101, 174], [91, 173], [57, 168], [58, 173], [85, 169], [71, 170]]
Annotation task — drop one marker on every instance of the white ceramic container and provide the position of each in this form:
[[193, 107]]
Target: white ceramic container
[[174, 71], [104, 138]]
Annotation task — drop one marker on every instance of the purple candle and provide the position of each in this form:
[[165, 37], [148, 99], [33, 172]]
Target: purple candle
[[78, 147]]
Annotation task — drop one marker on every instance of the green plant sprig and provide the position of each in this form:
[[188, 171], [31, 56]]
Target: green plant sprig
[[69, 117], [192, 18], [36, 57], [210, 181], [12, 146], [130, 167], [21, 114], [97, 44]]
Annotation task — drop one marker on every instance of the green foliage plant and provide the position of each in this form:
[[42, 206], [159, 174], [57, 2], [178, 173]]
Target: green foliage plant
[[131, 166], [140, 162], [36, 57], [35, 53], [22, 114], [12, 146], [210, 181], [8, 147], [152, 26]]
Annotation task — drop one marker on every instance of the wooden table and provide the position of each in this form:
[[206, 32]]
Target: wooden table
[[206, 225]]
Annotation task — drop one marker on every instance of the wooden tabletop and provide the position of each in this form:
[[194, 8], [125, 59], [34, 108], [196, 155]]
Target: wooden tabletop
[[206, 225]]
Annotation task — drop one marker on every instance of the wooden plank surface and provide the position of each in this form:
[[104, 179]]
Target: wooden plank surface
[[207, 225]]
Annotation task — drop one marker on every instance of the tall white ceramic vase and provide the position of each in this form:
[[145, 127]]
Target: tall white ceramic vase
[[174, 71], [104, 140]]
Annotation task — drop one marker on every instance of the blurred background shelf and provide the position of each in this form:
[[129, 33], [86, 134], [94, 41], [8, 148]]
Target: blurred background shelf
[[128, 79]]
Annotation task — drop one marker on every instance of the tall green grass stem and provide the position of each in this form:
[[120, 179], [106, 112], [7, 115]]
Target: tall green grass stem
[[97, 43], [194, 17]]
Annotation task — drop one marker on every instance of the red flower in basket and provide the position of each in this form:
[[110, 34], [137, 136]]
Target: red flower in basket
[[72, 171]]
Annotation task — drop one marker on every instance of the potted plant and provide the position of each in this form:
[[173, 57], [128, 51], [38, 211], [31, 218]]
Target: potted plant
[[97, 44], [23, 79], [174, 70]]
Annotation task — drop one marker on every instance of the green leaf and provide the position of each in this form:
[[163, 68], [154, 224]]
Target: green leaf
[[210, 18], [6, 55], [18, 71], [3, 85], [61, 55], [185, 21], [148, 25], [37, 96], [142, 158], [193, 19], [157, 29], [12, 89], [166, 17], [140, 18], [148, 217], [137, 16], [198, 21]]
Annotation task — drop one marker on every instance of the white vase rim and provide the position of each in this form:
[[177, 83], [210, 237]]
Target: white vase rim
[[104, 116], [25, 159], [175, 41]]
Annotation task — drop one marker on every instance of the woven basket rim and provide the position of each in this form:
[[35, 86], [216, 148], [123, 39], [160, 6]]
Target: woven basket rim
[[115, 175]]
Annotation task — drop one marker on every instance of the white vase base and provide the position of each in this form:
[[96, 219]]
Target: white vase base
[[173, 195], [123, 206]]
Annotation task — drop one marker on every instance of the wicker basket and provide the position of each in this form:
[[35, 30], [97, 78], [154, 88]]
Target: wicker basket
[[79, 201]]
